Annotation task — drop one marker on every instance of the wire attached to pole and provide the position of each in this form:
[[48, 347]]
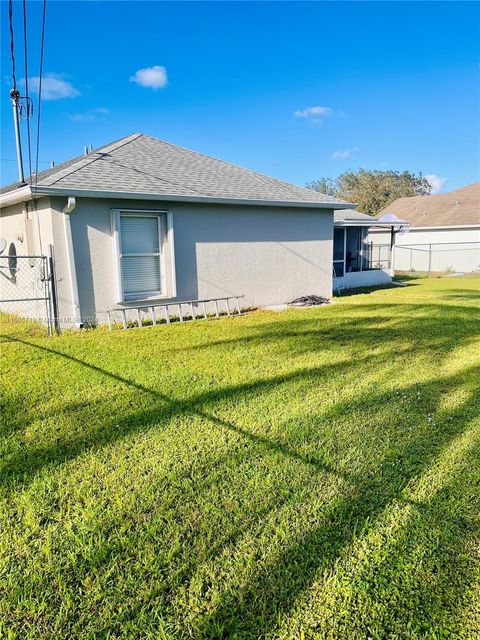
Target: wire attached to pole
[[40, 89], [42, 48], [27, 97], [12, 47]]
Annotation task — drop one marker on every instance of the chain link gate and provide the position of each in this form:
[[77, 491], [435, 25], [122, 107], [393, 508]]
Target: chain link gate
[[27, 288]]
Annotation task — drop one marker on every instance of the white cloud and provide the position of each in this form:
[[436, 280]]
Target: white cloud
[[54, 87], [154, 77], [436, 182], [81, 117], [344, 154], [88, 116], [313, 114]]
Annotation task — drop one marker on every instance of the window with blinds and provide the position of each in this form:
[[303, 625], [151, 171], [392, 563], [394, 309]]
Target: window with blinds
[[140, 254]]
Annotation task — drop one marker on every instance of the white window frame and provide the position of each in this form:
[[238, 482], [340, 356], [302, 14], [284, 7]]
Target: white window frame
[[166, 240]]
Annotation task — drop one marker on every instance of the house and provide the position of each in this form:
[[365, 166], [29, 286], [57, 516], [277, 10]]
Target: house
[[143, 222], [359, 258], [444, 231]]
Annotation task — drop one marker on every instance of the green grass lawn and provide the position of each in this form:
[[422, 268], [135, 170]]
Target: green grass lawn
[[307, 474]]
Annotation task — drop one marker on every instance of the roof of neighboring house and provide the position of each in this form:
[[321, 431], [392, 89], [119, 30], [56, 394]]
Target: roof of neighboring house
[[140, 164], [353, 218], [457, 208], [342, 215]]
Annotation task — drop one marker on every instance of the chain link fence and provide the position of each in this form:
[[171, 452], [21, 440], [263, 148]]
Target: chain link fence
[[377, 256], [27, 288], [441, 257]]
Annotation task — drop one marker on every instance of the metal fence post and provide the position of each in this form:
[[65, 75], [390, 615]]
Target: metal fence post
[[53, 289], [429, 260], [45, 278]]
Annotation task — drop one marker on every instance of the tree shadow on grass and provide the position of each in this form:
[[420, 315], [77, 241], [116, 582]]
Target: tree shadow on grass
[[248, 611], [445, 571], [253, 608], [273, 588], [411, 573], [379, 323], [356, 291], [307, 335], [464, 294], [26, 463]]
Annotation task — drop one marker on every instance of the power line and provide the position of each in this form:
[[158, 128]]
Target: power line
[[12, 48], [15, 160], [15, 98], [42, 47], [27, 97]]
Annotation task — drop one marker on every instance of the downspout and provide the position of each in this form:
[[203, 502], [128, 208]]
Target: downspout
[[67, 210]]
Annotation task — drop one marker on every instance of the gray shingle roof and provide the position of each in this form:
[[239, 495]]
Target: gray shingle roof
[[342, 215], [144, 165]]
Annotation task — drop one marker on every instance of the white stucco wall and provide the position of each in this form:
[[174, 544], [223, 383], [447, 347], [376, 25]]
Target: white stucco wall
[[453, 248], [66, 310], [28, 227], [270, 255], [29, 230], [358, 279]]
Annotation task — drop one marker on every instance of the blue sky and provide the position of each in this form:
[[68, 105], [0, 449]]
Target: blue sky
[[294, 90]]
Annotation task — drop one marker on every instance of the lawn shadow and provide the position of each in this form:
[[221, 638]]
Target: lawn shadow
[[273, 588], [356, 291], [419, 550], [272, 591], [25, 464], [315, 331], [308, 334], [245, 612]]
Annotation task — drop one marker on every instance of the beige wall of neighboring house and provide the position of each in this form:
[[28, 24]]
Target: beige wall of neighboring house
[[269, 254]]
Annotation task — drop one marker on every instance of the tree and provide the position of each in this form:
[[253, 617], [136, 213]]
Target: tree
[[326, 186], [372, 191]]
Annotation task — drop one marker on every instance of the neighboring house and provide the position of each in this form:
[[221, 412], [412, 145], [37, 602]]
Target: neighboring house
[[444, 231], [142, 222], [359, 258]]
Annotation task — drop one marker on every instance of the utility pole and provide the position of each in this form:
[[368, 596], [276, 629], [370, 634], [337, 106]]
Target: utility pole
[[15, 98]]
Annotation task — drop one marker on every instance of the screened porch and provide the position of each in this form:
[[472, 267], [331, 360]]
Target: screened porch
[[357, 260]]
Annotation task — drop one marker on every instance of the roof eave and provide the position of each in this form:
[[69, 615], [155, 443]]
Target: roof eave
[[364, 223], [10, 198], [446, 226], [22, 194]]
